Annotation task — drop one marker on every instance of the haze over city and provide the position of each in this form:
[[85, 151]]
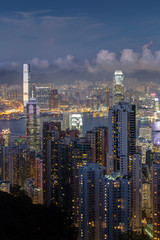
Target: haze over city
[[81, 40], [80, 120]]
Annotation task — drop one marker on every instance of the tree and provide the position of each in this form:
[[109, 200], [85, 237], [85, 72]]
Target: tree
[[20, 219], [130, 235]]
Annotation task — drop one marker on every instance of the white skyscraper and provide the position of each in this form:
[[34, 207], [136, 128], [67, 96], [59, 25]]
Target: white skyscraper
[[118, 87], [26, 84]]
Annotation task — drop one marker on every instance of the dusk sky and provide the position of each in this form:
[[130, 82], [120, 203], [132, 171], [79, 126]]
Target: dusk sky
[[81, 36]]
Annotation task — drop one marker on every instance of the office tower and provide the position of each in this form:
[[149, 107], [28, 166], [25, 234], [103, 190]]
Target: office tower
[[146, 197], [75, 121], [26, 84], [146, 133], [51, 133], [145, 145], [53, 99], [121, 138], [156, 198], [116, 206], [20, 164], [156, 104], [65, 121], [42, 97], [6, 136], [80, 153], [136, 183], [150, 156], [39, 172], [118, 87], [14, 92], [35, 193], [33, 125], [2, 162], [98, 138], [60, 172], [107, 98], [90, 201]]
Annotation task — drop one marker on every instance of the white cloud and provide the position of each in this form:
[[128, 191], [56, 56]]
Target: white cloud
[[41, 64], [128, 61], [105, 57], [128, 56], [66, 63]]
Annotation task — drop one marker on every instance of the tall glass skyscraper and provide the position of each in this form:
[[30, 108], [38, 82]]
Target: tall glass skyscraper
[[26, 84], [118, 87], [33, 124]]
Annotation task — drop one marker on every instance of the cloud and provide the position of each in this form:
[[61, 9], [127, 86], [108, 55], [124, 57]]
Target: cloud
[[144, 65], [128, 61], [68, 62], [128, 56], [41, 64]]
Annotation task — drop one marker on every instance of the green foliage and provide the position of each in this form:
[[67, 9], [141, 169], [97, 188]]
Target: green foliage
[[22, 220], [133, 236]]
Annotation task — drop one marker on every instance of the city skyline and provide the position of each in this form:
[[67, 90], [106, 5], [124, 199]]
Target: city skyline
[[80, 120], [110, 36]]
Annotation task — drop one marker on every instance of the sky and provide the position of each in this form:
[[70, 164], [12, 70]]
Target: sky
[[84, 39]]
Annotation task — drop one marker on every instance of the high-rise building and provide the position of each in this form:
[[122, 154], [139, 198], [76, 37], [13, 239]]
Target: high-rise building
[[116, 206], [156, 104], [121, 138], [156, 198], [98, 138], [146, 133], [35, 193], [42, 97], [91, 201], [118, 87], [136, 183], [33, 125], [2, 162], [107, 98], [80, 153], [6, 136], [146, 197], [51, 133], [53, 99], [20, 164], [26, 84], [39, 172]]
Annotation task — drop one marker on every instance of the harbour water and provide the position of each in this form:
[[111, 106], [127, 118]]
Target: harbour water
[[18, 127]]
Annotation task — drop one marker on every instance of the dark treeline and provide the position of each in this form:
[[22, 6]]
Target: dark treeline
[[20, 219]]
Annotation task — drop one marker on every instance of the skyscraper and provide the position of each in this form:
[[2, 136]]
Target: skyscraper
[[26, 84], [118, 87], [90, 201], [98, 138], [136, 183], [6, 136], [117, 206], [156, 198], [121, 138], [80, 153], [42, 97], [51, 133], [33, 125], [53, 99]]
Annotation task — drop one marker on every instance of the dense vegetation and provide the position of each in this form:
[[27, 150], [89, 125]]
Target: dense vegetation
[[133, 236], [20, 219]]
